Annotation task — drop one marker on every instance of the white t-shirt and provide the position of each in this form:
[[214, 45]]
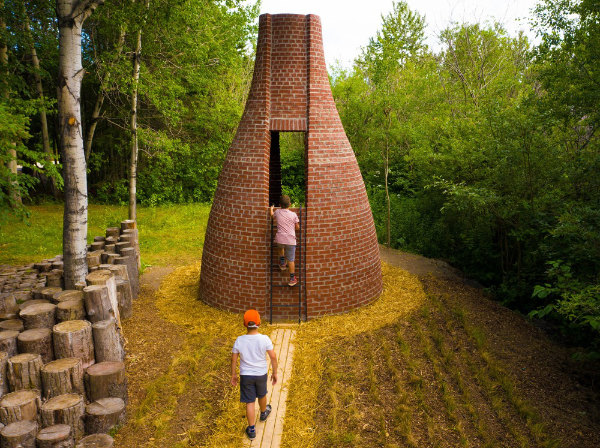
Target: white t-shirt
[[253, 353]]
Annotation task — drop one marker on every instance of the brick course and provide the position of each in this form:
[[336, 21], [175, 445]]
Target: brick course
[[290, 92]]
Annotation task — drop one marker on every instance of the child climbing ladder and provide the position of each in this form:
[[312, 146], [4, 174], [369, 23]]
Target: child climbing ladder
[[287, 225]]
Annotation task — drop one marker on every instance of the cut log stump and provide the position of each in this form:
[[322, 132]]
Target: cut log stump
[[132, 271], [106, 379], [19, 434], [63, 376], [97, 303], [104, 414], [23, 371], [19, 405], [96, 441], [66, 409], [55, 436], [3, 376], [124, 296], [12, 324], [37, 340], [70, 310], [42, 315], [24, 305], [73, 339], [106, 278], [48, 293], [66, 295], [108, 345], [8, 342], [8, 303]]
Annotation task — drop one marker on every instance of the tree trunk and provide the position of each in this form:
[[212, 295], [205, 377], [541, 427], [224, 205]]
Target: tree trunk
[[71, 15], [386, 167], [134, 136]]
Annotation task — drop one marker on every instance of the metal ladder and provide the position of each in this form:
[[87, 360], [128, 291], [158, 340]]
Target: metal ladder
[[300, 271]]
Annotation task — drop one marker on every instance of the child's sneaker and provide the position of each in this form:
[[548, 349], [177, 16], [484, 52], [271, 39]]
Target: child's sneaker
[[282, 264], [250, 432], [265, 414], [293, 281]]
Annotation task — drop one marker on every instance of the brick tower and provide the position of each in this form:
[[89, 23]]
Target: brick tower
[[339, 268]]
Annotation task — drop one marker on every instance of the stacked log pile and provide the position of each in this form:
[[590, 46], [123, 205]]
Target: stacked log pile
[[62, 374]]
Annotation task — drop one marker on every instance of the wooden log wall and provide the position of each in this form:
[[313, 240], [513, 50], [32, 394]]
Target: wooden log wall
[[62, 374]]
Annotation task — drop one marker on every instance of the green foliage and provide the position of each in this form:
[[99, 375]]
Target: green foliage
[[293, 175], [488, 150]]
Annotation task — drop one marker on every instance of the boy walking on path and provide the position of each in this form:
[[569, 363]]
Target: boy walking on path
[[252, 349], [287, 225]]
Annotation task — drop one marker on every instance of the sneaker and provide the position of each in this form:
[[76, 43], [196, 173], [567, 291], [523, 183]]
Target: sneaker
[[293, 281], [264, 415], [250, 432], [282, 264]]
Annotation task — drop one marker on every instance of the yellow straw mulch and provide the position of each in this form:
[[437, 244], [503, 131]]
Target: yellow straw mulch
[[402, 295], [205, 357]]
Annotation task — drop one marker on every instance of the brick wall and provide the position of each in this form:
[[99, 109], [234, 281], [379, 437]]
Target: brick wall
[[290, 92]]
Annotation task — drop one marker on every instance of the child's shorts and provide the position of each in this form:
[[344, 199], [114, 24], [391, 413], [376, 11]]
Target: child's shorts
[[290, 251], [252, 387]]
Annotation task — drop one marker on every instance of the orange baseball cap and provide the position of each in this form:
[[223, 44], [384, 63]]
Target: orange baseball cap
[[251, 316]]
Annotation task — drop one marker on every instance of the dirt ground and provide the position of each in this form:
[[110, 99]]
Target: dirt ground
[[563, 391]]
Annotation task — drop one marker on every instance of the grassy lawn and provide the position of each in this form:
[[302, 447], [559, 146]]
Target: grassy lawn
[[168, 234]]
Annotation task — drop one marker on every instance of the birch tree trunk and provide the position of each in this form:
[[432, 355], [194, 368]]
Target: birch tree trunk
[[134, 137], [71, 15], [40, 91], [14, 193], [386, 161]]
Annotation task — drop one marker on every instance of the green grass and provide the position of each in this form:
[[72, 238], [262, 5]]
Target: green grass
[[171, 234]]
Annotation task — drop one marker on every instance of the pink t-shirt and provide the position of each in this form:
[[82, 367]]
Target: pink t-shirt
[[286, 226]]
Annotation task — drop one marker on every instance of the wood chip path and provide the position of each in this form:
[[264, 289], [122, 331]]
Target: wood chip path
[[268, 433]]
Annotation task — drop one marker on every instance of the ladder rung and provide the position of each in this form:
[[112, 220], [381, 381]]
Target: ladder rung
[[286, 306], [286, 285]]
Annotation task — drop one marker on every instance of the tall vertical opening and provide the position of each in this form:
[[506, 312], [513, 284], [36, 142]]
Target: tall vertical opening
[[287, 167]]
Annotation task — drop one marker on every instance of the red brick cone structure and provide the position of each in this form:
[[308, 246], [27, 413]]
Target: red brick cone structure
[[340, 267]]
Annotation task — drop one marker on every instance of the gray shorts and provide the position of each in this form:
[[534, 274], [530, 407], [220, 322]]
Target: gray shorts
[[252, 387], [290, 251]]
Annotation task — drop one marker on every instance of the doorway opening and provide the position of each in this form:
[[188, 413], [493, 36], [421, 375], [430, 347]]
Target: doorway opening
[[287, 167]]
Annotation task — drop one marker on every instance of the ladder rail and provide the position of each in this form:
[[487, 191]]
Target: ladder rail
[[300, 271]]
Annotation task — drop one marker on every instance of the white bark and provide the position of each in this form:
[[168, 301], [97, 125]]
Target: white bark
[[71, 15], [134, 137]]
